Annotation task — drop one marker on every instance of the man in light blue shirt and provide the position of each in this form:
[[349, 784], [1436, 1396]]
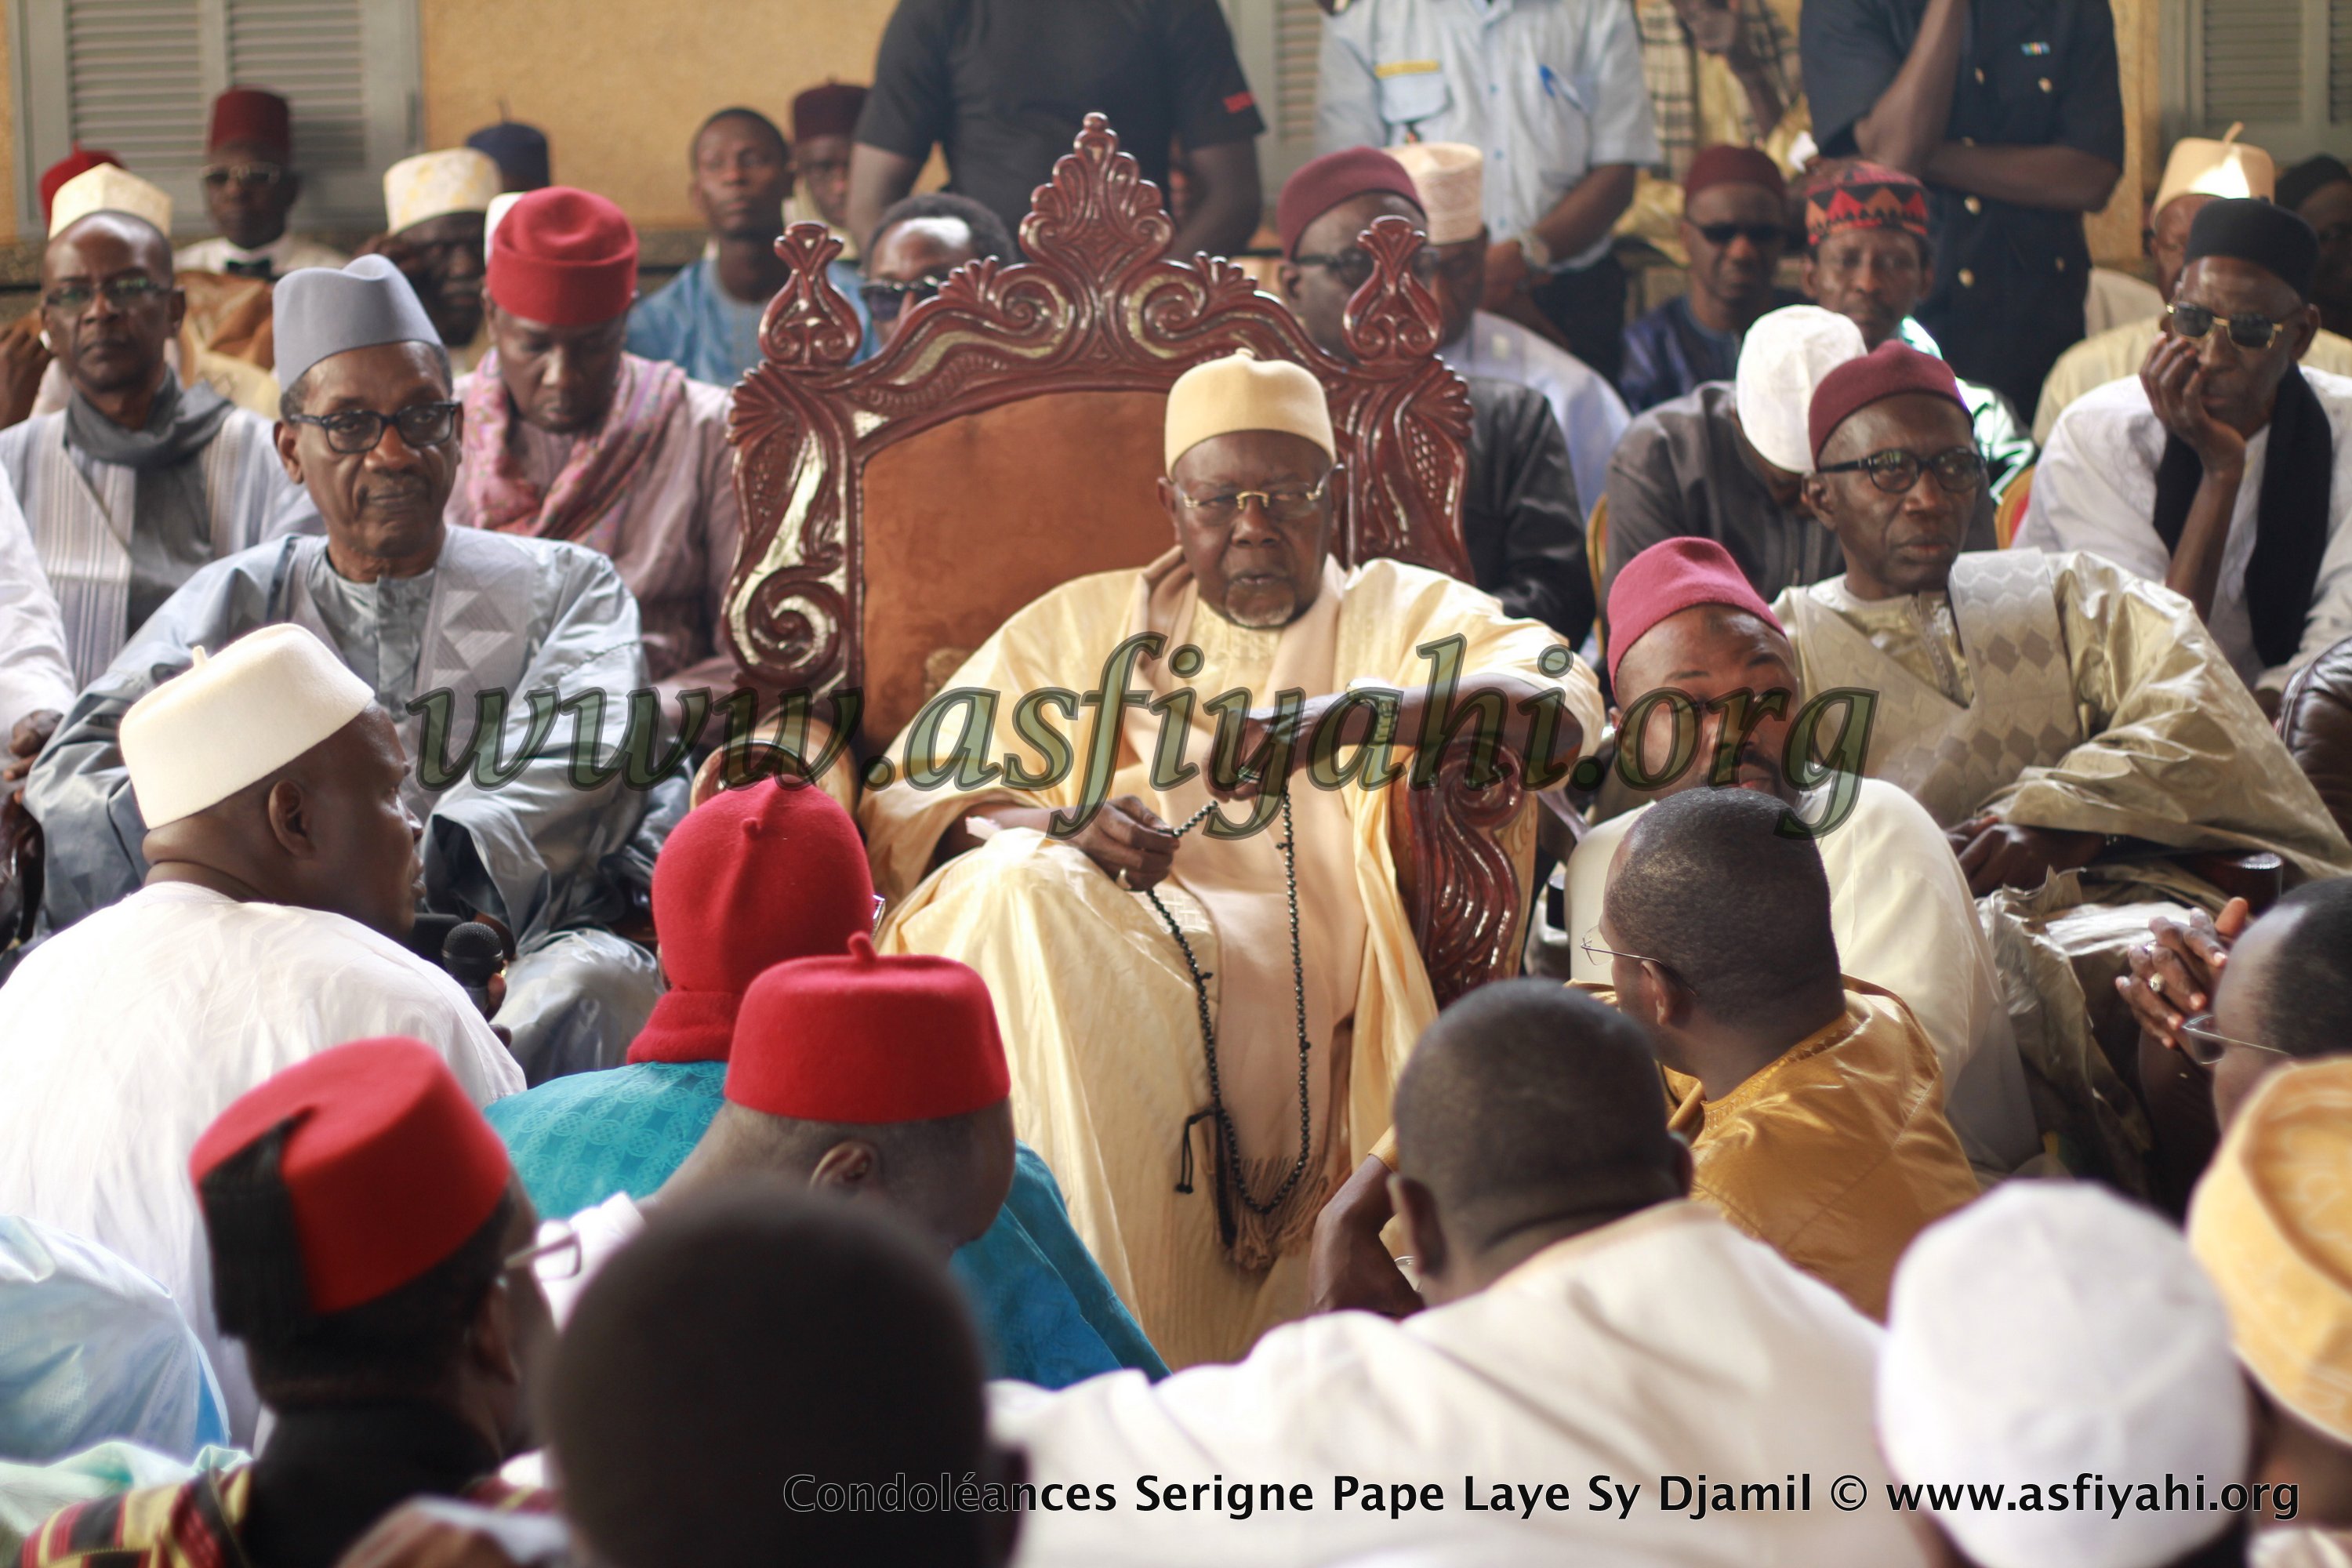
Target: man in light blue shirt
[[1551, 92]]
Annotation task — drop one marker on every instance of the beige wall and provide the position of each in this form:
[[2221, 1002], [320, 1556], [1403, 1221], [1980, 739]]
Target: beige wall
[[2114, 233], [8, 135], [619, 86]]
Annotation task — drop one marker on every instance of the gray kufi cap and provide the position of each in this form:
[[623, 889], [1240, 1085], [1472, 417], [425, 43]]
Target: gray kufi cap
[[322, 311]]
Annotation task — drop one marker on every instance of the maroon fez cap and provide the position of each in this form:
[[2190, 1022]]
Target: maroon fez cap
[[1724, 164], [1892, 369], [830, 110], [1322, 183]]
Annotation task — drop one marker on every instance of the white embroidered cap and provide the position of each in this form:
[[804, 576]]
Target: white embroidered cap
[[235, 719], [1450, 176], [109, 189], [2051, 1330], [1781, 360], [432, 184]]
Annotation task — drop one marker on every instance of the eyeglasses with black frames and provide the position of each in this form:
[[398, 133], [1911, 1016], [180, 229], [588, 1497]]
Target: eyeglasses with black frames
[[1353, 267], [359, 431], [1959, 471]]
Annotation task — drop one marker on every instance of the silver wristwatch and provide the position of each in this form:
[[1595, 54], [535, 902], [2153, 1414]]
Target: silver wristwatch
[[1538, 254]]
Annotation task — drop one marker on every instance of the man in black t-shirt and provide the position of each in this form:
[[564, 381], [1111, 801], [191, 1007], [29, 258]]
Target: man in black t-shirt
[[1003, 86]]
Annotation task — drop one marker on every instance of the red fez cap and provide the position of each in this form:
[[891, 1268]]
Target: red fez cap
[[1893, 368], [749, 879], [1725, 164], [1668, 578], [1322, 183], [564, 257], [827, 111], [81, 161], [1866, 195], [387, 1167], [869, 1040], [250, 114]]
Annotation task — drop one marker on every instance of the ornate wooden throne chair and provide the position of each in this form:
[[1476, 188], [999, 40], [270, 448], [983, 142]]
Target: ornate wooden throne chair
[[895, 512]]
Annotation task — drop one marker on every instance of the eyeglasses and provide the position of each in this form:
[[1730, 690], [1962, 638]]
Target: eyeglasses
[[885, 300], [2254, 332], [556, 1257], [2202, 1045], [1757, 234], [1594, 950], [1353, 265], [1290, 503], [246, 176], [122, 294], [362, 429], [1958, 472]]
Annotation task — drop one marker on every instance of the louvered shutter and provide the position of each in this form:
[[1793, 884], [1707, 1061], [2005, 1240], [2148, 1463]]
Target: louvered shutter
[[138, 76], [1279, 42]]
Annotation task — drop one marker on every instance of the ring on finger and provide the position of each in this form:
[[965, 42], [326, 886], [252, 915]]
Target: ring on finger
[[1123, 881]]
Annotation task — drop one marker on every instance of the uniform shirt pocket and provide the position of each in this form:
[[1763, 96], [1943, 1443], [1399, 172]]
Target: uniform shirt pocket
[[1411, 94]]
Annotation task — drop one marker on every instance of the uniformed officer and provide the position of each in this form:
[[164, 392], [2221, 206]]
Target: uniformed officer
[[2012, 114]]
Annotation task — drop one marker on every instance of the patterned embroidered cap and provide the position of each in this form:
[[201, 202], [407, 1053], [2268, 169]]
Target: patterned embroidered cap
[[1866, 195], [434, 184]]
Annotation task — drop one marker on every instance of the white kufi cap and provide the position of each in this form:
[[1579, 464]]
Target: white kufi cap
[[2051, 1330], [234, 720], [109, 189], [1450, 176], [1781, 360]]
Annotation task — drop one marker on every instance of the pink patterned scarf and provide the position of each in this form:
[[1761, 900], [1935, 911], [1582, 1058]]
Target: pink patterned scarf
[[584, 503]]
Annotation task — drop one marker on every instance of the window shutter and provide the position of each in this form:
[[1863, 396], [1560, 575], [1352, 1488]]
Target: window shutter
[[137, 77], [2339, 62], [2254, 61], [1280, 43], [134, 78], [307, 51]]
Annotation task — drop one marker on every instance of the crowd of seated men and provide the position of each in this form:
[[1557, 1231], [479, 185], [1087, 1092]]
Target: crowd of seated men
[[447, 1112]]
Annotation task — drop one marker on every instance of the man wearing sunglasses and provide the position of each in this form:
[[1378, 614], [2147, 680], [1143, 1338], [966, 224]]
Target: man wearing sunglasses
[[1521, 521], [2224, 471], [917, 242], [250, 186], [1734, 226], [516, 831]]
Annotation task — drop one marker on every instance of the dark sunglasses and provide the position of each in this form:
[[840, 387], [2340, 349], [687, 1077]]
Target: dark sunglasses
[[1353, 267], [1757, 234], [884, 300], [1958, 471], [2252, 332], [362, 429]]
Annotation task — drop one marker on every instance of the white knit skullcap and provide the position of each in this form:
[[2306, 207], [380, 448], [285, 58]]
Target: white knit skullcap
[[2051, 1330], [234, 720], [434, 184], [1450, 176], [1781, 360]]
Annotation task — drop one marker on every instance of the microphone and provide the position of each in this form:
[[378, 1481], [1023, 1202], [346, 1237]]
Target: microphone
[[472, 952]]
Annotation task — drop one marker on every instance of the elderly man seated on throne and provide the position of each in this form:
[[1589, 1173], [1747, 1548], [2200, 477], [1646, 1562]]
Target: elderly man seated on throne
[[1204, 1026]]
